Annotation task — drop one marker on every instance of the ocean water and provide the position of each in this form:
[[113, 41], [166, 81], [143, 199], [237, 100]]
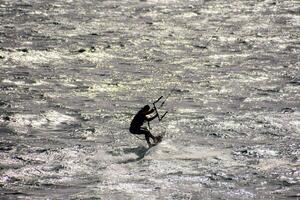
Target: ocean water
[[73, 74]]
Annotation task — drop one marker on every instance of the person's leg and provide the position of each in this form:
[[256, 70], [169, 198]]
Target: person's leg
[[148, 135], [147, 139], [147, 132]]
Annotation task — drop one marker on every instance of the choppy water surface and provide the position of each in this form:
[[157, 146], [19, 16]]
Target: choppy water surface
[[73, 74]]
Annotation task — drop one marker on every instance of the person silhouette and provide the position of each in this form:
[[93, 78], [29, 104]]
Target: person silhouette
[[138, 121]]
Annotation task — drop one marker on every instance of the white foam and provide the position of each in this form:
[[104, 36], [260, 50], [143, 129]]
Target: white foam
[[272, 163], [162, 1], [13, 82], [186, 110], [187, 15], [45, 57], [23, 123], [94, 57], [56, 118], [168, 150], [98, 88]]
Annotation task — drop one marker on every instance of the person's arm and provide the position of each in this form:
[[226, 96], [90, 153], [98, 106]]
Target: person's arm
[[151, 118], [150, 111]]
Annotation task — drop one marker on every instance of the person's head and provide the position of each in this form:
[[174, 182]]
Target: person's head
[[146, 108]]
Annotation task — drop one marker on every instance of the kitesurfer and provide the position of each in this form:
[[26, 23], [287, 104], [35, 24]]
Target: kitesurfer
[[138, 121]]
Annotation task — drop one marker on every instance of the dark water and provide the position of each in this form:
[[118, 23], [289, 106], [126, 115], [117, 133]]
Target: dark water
[[73, 74]]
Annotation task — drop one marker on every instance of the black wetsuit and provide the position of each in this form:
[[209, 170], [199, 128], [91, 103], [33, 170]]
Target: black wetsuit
[[137, 123]]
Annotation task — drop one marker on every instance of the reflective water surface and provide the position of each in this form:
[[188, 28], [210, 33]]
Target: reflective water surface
[[73, 73]]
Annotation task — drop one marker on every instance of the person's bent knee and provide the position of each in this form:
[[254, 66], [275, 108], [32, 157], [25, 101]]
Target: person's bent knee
[[135, 131]]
